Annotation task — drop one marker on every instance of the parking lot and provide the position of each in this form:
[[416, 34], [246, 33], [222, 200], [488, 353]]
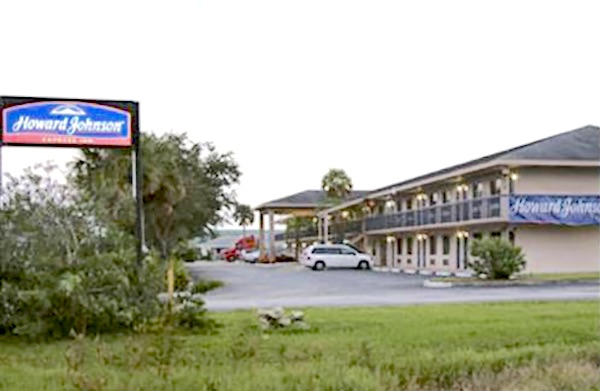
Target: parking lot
[[291, 285]]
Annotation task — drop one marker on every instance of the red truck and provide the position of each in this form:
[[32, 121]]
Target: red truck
[[247, 243]]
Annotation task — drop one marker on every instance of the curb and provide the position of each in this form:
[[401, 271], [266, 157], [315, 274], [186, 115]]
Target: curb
[[436, 284], [441, 284]]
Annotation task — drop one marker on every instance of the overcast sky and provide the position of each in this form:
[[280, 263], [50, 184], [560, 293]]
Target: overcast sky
[[386, 90]]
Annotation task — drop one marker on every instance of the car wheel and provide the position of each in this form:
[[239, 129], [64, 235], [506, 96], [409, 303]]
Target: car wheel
[[363, 265], [319, 265]]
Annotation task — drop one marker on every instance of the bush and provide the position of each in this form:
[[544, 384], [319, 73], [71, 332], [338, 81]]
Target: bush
[[66, 268], [497, 259], [203, 286], [186, 253], [182, 276]]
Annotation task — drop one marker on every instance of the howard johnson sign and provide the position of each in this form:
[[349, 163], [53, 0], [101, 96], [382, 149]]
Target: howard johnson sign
[[555, 209], [67, 123]]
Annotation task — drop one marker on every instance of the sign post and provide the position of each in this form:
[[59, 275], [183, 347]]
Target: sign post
[[77, 123]]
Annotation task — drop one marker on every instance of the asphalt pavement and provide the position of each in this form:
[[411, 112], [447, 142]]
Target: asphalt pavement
[[291, 285]]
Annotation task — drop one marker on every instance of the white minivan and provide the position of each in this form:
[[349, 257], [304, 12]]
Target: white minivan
[[321, 256]]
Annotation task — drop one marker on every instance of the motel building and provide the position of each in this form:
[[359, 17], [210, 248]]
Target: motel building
[[543, 196]]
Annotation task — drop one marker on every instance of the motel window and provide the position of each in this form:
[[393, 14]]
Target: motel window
[[398, 202], [511, 237], [409, 204], [399, 245], [477, 236], [409, 261], [409, 246], [432, 262], [432, 245], [445, 197], [446, 262], [495, 186], [496, 235], [433, 198], [477, 190], [446, 244]]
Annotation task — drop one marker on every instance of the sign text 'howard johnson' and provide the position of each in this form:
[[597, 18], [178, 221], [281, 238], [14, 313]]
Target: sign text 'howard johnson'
[[554, 209], [66, 123]]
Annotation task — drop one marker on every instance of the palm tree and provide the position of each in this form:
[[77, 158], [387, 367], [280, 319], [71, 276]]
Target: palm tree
[[337, 184], [244, 216]]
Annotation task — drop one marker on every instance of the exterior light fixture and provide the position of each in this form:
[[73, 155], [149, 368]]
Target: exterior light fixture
[[514, 176], [315, 219], [303, 245], [345, 214], [390, 239], [459, 188], [465, 187]]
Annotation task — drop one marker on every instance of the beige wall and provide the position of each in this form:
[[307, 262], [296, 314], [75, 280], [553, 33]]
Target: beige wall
[[558, 249], [558, 180]]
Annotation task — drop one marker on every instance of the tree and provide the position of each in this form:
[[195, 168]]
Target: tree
[[186, 187], [496, 258], [337, 184], [64, 267], [244, 216]]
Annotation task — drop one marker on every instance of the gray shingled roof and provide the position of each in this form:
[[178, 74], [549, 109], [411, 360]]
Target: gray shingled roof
[[307, 199], [582, 144]]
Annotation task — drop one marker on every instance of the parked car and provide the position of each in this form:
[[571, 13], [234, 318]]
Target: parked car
[[281, 255], [321, 256], [251, 256]]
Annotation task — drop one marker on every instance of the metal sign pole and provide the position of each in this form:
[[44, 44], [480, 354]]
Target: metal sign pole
[[1, 180], [138, 191]]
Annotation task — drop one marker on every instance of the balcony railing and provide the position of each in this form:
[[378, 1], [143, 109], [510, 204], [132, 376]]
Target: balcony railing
[[468, 210], [346, 228], [307, 232]]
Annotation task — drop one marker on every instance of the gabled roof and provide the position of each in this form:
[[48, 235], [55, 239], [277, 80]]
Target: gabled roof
[[582, 144], [309, 199]]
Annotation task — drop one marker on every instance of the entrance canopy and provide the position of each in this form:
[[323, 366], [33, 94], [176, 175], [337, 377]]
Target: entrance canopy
[[303, 204]]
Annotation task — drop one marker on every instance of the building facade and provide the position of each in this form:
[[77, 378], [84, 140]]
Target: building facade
[[543, 197]]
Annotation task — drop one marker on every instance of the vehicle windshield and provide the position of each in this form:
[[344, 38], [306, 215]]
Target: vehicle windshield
[[353, 248]]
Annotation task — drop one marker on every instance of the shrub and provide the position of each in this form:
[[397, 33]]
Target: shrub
[[65, 267], [186, 253], [182, 276], [497, 259], [203, 286]]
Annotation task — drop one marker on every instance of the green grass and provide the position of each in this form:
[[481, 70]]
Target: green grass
[[504, 346], [564, 276], [526, 279]]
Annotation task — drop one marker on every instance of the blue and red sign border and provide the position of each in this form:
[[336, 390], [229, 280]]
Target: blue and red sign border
[[135, 146], [131, 107]]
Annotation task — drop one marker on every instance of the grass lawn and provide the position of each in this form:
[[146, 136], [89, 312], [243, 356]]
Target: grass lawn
[[564, 276], [504, 346], [527, 278]]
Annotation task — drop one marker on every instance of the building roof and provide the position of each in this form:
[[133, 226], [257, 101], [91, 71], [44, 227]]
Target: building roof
[[308, 199], [582, 144]]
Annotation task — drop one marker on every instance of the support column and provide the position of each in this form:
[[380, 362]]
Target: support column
[[261, 237], [390, 253], [326, 229], [271, 237], [320, 228]]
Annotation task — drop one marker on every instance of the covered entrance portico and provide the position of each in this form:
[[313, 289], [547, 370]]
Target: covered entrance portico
[[295, 208]]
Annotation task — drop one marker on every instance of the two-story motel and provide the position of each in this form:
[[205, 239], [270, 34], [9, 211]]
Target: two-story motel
[[543, 196]]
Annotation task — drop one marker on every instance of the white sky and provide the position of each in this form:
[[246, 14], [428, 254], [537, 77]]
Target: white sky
[[386, 90]]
